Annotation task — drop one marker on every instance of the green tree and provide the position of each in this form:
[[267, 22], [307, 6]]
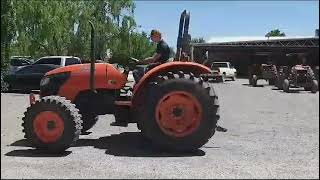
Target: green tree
[[172, 53], [275, 33], [198, 40], [47, 27], [8, 30]]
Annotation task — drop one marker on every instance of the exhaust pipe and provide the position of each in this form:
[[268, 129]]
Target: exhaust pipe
[[92, 56]]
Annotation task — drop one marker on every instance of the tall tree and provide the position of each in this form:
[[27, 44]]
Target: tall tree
[[275, 33], [198, 40], [62, 27], [8, 30]]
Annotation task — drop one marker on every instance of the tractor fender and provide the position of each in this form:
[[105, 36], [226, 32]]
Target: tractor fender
[[195, 68]]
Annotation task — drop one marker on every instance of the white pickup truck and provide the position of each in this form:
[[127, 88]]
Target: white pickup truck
[[226, 70]]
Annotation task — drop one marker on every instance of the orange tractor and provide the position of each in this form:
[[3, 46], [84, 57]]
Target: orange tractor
[[173, 104]]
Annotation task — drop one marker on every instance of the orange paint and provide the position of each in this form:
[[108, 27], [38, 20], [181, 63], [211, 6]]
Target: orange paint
[[172, 66], [178, 114], [115, 79], [106, 77], [42, 128]]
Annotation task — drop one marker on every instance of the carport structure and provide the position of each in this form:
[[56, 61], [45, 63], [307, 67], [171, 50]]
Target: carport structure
[[243, 53]]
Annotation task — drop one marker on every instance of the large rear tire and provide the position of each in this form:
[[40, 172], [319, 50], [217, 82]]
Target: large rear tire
[[52, 124], [181, 112]]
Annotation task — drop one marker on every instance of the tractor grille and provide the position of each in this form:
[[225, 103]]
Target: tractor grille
[[56, 81]]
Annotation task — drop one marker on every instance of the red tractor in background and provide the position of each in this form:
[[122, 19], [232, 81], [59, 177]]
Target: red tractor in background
[[297, 76], [267, 72], [173, 104]]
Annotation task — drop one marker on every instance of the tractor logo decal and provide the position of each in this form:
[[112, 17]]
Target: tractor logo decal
[[113, 82]]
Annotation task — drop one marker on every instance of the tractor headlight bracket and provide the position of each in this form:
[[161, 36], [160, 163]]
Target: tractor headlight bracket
[[44, 81]]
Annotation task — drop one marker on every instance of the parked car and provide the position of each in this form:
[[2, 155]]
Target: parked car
[[28, 77], [226, 70], [18, 61]]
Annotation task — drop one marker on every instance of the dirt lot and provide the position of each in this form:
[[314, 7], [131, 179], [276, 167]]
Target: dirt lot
[[270, 134]]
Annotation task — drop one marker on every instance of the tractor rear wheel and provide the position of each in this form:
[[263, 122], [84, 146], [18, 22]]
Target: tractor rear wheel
[[181, 112], [52, 124]]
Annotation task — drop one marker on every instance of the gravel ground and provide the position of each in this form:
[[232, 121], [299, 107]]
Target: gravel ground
[[270, 134]]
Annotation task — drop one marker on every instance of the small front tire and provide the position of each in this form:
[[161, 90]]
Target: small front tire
[[52, 124]]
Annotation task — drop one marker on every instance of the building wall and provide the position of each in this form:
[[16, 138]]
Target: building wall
[[242, 58]]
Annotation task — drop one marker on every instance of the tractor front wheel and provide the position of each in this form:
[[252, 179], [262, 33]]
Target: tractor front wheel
[[52, 124], [181, 112]]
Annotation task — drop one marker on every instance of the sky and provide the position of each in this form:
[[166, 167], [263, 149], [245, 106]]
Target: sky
[[218, 21]]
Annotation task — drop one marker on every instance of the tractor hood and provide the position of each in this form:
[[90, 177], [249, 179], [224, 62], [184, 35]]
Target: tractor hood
[[106, 77], [74, 68]]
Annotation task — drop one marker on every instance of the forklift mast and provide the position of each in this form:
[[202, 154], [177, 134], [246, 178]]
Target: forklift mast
[[184, 39]]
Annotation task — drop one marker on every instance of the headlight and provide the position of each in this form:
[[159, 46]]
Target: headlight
[[44, 81]]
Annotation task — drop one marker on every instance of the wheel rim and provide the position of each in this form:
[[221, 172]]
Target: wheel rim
[[178, 114], [48, 126], [6, 86]]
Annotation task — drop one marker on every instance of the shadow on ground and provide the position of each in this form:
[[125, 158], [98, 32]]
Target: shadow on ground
[[130, 144], [292, 91], [22, 92], [258, 85], [276, 89], [35, 153]]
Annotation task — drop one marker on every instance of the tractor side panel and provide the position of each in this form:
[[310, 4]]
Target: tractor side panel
[[115, 79], [195, 68], [80, 80]]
